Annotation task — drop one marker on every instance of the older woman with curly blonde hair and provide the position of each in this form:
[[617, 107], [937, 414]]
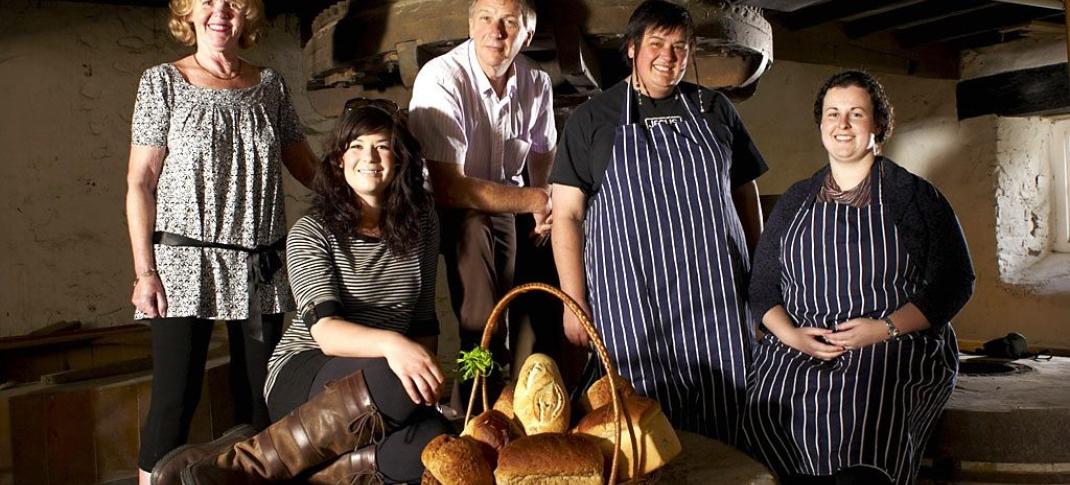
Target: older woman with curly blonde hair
[[205, 211]]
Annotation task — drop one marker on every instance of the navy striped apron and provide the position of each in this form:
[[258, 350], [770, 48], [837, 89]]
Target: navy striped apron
[[873, 406], [666, 267]]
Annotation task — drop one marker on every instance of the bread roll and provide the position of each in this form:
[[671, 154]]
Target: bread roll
[[540, 401], [550, 459], [493, 430], [656, 440], [428, 479], [456, 461], [504, 404], [598, 394]]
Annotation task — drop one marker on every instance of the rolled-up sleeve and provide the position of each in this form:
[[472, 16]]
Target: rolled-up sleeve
[[313, 276], [435, 115], [544, 131]]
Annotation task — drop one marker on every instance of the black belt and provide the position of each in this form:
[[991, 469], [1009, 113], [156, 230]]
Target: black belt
[[262, 262]]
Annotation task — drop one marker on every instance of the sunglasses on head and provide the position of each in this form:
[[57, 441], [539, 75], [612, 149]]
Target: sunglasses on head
[[385, 105]]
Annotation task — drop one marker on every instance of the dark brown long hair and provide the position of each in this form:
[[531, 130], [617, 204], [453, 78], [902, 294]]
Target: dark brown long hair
[[406, 199]]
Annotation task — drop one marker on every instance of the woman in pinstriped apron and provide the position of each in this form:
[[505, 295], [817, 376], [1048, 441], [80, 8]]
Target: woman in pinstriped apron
[[856, 279], [654, 202]]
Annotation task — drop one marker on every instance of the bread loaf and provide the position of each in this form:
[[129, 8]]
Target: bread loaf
[[550, 459], [656, 440], [493, 431], [599, 395], [540, 401], [456, 461], [504, 404], [428, 479]]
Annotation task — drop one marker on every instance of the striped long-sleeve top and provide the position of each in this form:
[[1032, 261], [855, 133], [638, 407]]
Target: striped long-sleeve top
[[359, 280]]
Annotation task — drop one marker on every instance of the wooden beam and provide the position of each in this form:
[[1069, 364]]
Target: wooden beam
[[840, 10], [999, 17], [913, 15], [986, 39], [1040, 90], [881, 52], [782, 5]]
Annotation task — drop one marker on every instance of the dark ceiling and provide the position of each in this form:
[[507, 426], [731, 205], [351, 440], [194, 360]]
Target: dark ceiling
[[957, 24]]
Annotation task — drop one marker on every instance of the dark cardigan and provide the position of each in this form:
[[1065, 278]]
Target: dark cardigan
[[930, 231]]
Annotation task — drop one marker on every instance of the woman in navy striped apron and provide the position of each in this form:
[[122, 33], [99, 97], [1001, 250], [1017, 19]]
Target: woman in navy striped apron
[[856, 278], [660, 252]]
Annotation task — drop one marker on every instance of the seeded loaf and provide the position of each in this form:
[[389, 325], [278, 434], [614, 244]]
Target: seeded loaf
[[456, 461]]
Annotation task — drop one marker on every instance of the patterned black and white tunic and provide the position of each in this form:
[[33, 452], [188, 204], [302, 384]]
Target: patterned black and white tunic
[[221, 182], [373, 286]]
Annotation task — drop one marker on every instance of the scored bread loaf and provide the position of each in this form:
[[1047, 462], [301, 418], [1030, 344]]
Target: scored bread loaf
[[655, 439], [599, 394], [493, 431], [550, 459], [456, 461], [539, 400]]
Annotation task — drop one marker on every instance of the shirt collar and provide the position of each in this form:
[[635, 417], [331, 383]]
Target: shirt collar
[[482, 82]]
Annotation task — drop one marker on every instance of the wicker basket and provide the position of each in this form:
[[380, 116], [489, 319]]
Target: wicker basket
[[480, 388]]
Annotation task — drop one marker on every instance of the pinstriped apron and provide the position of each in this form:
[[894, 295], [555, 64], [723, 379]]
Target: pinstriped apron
[[666, 266], [873, 406]]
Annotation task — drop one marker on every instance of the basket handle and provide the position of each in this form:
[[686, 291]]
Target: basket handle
[[596, 342]]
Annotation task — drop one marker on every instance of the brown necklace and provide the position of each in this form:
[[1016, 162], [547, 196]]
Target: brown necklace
[[234, 75]]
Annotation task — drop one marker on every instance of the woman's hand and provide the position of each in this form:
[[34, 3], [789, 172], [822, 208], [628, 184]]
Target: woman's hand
[[149, 297], [415, 367], [809, 340], [574, 331], [858, 333]]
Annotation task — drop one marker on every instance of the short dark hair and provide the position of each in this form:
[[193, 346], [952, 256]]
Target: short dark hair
[[406, 198], [657, 15], [883, 112]]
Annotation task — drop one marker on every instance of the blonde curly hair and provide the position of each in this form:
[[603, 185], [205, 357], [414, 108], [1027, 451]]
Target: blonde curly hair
[[182, 29]]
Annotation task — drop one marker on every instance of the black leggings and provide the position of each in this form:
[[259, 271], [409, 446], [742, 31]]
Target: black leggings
[[398, 456], [179, 354]]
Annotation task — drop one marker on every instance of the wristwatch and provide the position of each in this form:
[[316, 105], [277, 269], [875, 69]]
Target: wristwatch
[[892, 331]]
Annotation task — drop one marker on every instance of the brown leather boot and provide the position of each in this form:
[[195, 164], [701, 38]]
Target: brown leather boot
[[339, 419], [356, 468], [168, 469]]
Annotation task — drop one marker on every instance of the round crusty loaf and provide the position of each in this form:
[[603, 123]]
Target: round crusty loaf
[[456, 461], [656, 440], [550, 459], [493, 431], [599, 394], [428, 479], [540, 401]]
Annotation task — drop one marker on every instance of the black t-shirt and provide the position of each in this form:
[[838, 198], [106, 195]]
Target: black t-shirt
[[586, 147]]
